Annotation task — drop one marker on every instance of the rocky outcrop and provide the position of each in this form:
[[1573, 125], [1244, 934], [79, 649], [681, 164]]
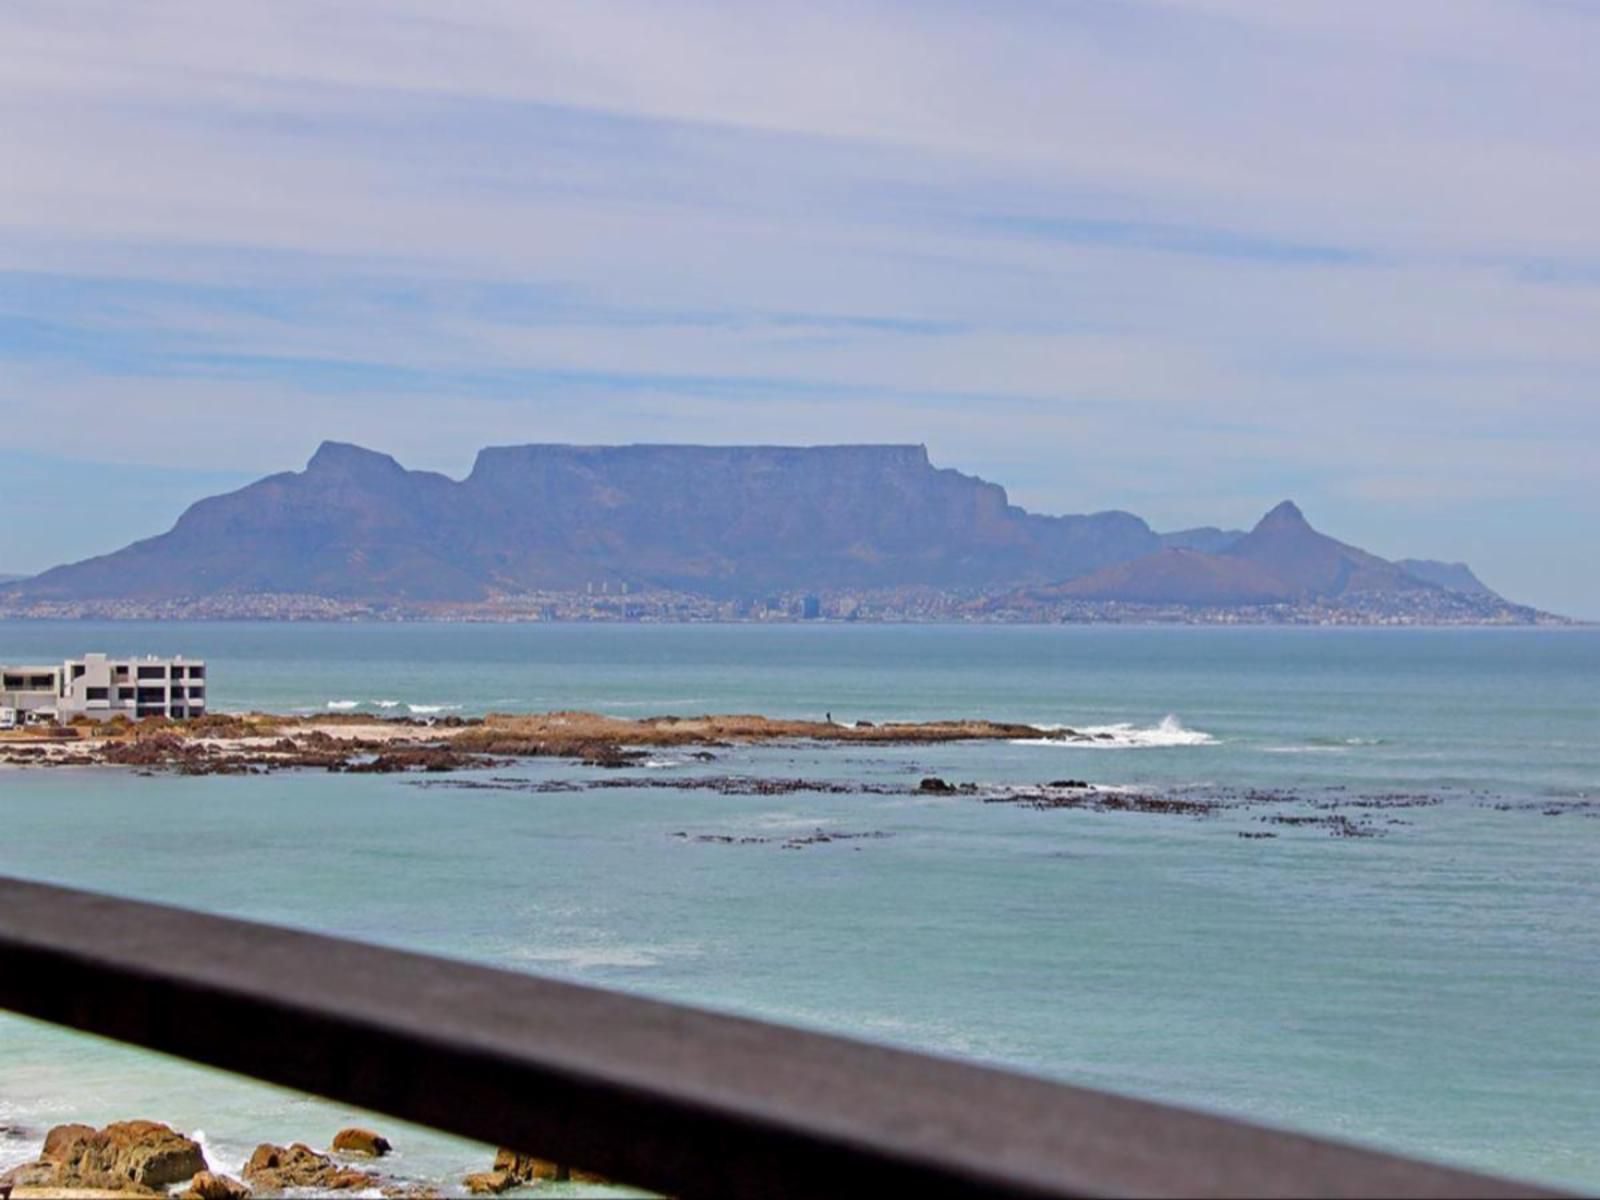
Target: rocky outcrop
[[490, 1183], [361, 1141], [273, 1169], [207, 1186], [136, 1157], [525, 1168]]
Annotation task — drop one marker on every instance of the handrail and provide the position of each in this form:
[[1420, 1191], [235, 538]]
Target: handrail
[[668, 1097]]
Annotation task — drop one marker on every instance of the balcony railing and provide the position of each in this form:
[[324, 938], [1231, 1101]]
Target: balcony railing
[[664, 1096]]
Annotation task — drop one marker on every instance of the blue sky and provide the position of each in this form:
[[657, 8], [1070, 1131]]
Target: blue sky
[[1180, 258]]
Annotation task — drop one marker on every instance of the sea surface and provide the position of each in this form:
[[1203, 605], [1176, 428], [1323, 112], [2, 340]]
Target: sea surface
[[1423, 976]]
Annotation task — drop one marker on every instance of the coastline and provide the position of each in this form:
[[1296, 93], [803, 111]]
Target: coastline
[[256, 742]]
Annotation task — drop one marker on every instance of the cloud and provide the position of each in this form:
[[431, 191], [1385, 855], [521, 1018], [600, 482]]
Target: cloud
[[1183, 256]]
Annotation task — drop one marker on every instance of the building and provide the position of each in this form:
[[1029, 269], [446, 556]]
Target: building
[[101, 687]]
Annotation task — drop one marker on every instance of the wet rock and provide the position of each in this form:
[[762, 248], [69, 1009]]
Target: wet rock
[[209, 1186], [361, 1141], [139, 1157], [935, 785], [489, 1183], [525, 1168], [273, 1169], [1068, 784]]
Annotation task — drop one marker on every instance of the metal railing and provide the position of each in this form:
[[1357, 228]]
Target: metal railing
[[667, 1097]]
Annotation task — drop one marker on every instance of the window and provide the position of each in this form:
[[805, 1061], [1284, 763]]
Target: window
[[95, 693], [152, 672]]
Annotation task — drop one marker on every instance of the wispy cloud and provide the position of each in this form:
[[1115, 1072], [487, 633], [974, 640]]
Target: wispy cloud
[[1178, 256]]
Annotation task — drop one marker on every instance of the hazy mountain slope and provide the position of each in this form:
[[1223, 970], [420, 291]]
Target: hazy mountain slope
[[1282, 560], [1208, 539], [1177, 575], [353, 523], [1457, 577], [1312, 563]]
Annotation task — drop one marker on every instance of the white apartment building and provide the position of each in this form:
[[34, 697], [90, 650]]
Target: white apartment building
[[102, 687]]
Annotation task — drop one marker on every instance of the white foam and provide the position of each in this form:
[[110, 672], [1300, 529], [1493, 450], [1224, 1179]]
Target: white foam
[[586, 958], [429, 709], [343, 705], [387, 703], [1123, 735]]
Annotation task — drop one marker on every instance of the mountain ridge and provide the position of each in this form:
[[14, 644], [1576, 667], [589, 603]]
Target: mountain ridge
[[355, 525]]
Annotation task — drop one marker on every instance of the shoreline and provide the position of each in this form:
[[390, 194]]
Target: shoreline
[[263, 742]]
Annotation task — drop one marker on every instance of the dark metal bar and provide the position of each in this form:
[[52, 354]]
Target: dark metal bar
[[668, 1097]]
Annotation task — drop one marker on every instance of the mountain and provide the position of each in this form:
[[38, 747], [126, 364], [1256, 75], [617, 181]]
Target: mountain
[[735, 520], [1457, 577], [1312, 563], [1208, 539], [4, 578], [1282, 560]]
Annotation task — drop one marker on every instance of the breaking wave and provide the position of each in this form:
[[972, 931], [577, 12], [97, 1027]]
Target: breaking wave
[[1122, 736]]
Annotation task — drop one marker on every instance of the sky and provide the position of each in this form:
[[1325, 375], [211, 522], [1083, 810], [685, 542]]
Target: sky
[[1181, 257]]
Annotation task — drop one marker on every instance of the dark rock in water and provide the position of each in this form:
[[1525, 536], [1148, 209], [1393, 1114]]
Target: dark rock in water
[[935, 785], [361, 1141], [1067, 783], [865, 725]]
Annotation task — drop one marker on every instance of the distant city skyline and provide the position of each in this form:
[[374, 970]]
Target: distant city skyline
[[1183, 259]]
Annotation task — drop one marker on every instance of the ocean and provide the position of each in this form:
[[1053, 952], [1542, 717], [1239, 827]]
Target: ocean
[[1411, 960]]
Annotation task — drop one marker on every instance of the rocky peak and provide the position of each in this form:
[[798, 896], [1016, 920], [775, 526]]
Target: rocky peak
[[1285, 516], [345, 458]]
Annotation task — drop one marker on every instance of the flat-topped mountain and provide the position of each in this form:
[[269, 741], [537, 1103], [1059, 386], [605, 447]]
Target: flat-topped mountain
[[716, 521], [719, 520]]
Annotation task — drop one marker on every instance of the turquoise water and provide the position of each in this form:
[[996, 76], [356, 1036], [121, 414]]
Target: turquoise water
[[1435, 989]]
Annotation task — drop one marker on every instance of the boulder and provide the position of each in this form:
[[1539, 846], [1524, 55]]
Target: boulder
[[361, 1141], [274, 1169], [936, 785], [139, 1157], [207, 1186], [61, 1142], [525, 1168], [489, 1183]]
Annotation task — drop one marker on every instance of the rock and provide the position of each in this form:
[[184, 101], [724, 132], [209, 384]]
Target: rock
[[273, 1169], [525, 1168], [489, 1183], [139, 1157], [207, 1186], [61, 1142], [934, 784], [361, 1141], [1076, 784]]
